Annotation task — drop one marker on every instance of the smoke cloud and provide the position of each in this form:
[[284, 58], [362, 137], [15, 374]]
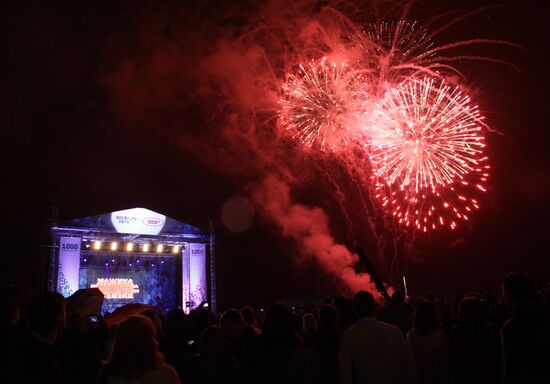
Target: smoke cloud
[[215, 80], [309, 227]]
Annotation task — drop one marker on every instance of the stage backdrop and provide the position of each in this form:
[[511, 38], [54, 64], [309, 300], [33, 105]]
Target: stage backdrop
[[152, 280]]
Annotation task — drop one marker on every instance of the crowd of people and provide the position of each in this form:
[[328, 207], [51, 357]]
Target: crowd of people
[[471, 338]]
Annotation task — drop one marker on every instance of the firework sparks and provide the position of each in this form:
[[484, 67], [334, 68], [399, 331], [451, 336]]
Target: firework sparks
[[389, 91], [395, 51], [426, 151], [324, 104]]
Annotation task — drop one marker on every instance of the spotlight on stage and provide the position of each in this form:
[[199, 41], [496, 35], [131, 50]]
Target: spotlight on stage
[[160, 248], [114, 246], [97, 245]]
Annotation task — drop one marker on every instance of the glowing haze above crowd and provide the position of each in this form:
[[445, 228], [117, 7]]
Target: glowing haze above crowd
[[362, 103]]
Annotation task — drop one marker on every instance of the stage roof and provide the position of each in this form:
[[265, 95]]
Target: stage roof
[[138, 221]]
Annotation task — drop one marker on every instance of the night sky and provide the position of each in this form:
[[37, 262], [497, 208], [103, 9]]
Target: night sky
[[104, 108]]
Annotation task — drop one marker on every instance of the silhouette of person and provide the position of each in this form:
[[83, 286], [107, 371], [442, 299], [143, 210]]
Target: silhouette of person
[[525, 336], [372, 351]]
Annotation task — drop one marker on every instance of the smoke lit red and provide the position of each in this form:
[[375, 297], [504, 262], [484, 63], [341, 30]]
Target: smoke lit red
[[361, 113]]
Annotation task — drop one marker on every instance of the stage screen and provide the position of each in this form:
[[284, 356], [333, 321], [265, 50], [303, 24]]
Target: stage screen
[[130, 278]]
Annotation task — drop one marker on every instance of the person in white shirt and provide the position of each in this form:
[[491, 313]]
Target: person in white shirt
[[373, 352]]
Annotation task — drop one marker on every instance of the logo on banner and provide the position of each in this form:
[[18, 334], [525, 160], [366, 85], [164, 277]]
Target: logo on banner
[[152, 221], [71, 247], [123, 219], [139, 221]]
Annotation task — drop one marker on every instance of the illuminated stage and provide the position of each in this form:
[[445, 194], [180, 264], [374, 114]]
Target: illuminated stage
[[134, 255]]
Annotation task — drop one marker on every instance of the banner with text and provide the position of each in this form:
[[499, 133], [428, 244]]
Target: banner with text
[[69, 265], [197, 274]]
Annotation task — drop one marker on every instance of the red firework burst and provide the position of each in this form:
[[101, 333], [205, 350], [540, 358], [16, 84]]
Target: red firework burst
[[426, 151], [396, 51], [324, 104]]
